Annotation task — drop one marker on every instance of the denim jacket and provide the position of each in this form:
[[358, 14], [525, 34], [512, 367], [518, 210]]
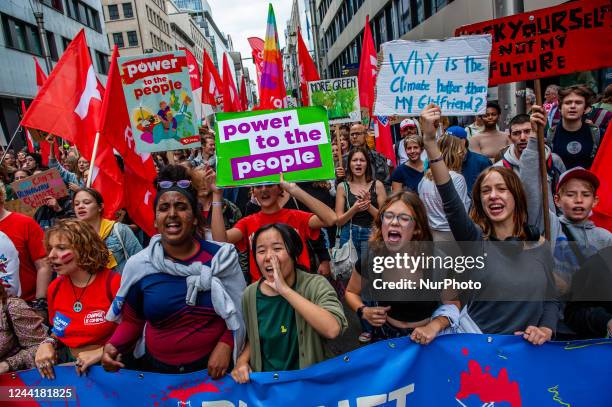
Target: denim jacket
[[130, 244]]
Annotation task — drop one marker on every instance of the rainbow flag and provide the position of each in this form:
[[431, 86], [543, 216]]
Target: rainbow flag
[[273, 94]]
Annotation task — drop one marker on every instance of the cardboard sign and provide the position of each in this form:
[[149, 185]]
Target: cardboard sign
[[574, 36], [256, 147], [451, 73], [33, 190], [160, 101], [340, 97]]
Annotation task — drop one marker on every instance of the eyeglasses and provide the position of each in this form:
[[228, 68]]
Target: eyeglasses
[[519, 132], [402, 218], [183, 184]]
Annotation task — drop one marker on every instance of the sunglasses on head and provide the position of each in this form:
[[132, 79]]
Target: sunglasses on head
[[183, 183]]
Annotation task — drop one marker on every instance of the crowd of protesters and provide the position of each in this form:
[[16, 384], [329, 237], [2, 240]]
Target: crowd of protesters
[[242, 280]]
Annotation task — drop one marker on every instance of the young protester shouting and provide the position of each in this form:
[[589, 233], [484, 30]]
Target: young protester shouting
[[452, 152], [308, 225], [121, 242], [574, 140], [185, 289], [358, 199], [522, 267], [402, 219], [575, 196], [409, 173], [290, 314], [78, 298], [21, 331]]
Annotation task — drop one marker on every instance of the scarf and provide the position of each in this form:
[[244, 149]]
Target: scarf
[[106, 228]]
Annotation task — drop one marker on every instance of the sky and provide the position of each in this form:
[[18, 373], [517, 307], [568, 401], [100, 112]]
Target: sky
[[242, 19]]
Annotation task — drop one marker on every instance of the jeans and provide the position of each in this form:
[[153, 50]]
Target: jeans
[[360, 235]]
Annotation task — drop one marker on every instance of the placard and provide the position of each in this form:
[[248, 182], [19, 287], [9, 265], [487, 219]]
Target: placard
[[256, 147], [33, 191], [160, 101], [452, 73], [571, 37], [339, 96]]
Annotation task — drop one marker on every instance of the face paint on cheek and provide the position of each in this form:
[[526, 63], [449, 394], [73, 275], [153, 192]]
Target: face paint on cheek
[[67, 258]]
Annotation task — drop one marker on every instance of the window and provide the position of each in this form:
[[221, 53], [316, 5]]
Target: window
[[118, 39], [55, 4], [21, 35], [103, 64], [127, 10], [65, 43], [132, 38], [52, 46], [113, 12]]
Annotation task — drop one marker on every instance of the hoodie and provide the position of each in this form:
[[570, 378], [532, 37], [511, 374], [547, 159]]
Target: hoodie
[[587, 237], [515, 163]]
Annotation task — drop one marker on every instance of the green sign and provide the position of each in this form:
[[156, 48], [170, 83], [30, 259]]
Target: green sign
[[256, 147], [339, 96]]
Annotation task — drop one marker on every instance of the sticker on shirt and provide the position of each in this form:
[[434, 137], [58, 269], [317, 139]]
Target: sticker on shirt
[[60, 323], [283, 329], [95, 317], [574, 147]]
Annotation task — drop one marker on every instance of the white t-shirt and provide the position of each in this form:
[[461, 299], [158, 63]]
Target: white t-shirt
[[9, 266], [433, 202]]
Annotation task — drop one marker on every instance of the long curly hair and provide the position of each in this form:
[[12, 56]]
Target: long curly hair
[[92, 253]]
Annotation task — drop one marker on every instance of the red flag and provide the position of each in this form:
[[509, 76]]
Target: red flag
[[196, 82], [29, 138], [384, 141], [602, 213], [244, 101], [41, 76], [139, 169], [231, 102], [68, 105], [273, 94], [211, 83], [308, 70], [367, 69], [257, 49]]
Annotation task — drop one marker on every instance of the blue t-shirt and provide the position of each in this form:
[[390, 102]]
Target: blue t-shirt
[[408, 177]]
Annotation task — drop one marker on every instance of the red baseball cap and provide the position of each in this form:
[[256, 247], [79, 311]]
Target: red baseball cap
[[579, 173], [407, 123]]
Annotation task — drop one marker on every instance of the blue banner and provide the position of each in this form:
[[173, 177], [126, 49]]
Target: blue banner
[[454, 370]]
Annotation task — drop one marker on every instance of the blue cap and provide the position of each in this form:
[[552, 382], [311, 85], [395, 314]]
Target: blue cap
[[457, 131]]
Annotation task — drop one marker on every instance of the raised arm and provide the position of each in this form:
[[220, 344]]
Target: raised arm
[[324, 216], [217, 223]]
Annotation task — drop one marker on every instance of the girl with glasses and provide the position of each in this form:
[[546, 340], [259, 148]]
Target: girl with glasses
[[402, 220]]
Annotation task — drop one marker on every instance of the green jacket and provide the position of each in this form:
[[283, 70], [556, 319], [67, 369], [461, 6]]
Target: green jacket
[[313, 348]]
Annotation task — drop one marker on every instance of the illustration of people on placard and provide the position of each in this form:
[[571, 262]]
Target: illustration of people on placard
[[172, 121]]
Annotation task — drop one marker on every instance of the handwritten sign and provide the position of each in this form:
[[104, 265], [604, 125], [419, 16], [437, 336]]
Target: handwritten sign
[[572, 37], [340, 97], [256, 147], [160, 101], [451, 73], [33, 191]]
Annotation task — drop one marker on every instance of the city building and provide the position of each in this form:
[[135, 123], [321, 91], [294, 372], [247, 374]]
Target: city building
[[138, 26], [20, 42], [290, 60], [187, 33], [202, 13]]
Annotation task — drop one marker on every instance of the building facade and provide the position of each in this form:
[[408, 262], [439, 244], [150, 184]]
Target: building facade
[[138, 26], [20, 42], [187, 33]]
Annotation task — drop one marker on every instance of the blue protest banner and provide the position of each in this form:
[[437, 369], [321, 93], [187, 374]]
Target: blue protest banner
[[454, 370]]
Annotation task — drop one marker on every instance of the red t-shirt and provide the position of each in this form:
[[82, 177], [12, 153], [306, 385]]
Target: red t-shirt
[[28, 239], [292, 217], [88, 327]]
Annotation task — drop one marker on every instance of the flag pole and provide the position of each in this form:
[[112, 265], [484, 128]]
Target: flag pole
[[542, 165], [93, 159], [8, 146]]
